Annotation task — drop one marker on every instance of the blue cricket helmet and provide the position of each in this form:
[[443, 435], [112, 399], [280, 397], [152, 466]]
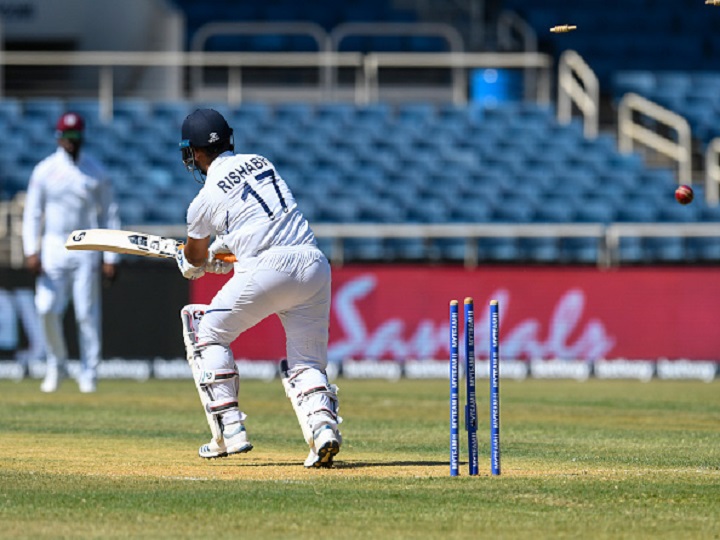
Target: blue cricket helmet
[[205, 127]]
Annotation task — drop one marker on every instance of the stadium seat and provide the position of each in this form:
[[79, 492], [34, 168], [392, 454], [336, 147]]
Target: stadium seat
[[554, 210], [540, 249], [677, 213], [171, 114], [499, 249], [336, 112], [639, 82], [710, 213], [405, 249], [517, 210], [295, 114], [364, 249], [579, 250], [89, 109], [594, 211], [630, 250], [378, 210], [703, 249], [374, 164], [637, 211], [10, 109], [132, 212], [665, 249], [338, 210], [137, 111], [416, 113], [46, 110]]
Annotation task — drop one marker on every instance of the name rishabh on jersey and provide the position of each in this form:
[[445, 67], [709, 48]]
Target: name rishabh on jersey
[[236, 176], [248, 203]]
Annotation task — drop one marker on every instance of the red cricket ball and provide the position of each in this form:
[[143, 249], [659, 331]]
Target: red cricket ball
[[684, 194]]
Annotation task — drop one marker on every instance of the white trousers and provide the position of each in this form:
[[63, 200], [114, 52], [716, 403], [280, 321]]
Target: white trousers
[[78, 274], [294, 283]]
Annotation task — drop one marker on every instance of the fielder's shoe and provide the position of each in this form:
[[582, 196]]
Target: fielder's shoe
[[234, 441], [87, 384], [52, 380], [326, 446]]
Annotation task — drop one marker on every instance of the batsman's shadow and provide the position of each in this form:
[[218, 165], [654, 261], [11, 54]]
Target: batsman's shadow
[[343, 464], [369, 464]]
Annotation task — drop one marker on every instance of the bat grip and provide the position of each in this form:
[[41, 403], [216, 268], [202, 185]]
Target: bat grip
[[225, 257]]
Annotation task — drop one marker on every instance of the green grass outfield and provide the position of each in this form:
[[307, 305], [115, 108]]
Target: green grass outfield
[[596, 459]]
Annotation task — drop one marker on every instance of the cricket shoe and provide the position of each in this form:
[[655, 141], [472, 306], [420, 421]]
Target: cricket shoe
[[87, 384], [52, 380], [325, 447], [234, 442]]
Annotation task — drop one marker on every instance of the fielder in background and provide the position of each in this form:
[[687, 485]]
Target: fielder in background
[[68, 191], [250, 210]]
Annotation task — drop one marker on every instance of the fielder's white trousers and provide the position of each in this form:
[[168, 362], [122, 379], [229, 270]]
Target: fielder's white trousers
[[292, 282], [66, 273]]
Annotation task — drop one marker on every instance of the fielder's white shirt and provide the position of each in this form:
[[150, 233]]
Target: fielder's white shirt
[[63, 196], [246, 201]]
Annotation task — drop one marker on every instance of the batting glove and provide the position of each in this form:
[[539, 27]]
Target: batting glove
[[186, 269], [216, 266]]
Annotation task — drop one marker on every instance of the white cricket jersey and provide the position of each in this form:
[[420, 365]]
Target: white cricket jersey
[[63, 196], [246, 201]]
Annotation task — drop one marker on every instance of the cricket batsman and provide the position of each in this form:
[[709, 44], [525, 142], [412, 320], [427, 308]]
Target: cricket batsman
[[249, 209]]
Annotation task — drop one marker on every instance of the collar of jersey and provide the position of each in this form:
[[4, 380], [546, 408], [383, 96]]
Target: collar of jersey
[[222, 157]]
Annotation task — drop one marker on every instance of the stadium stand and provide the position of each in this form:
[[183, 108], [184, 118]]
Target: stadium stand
[[623, 35], [326, 13], [424, 162], [693, 95], [480, 166]]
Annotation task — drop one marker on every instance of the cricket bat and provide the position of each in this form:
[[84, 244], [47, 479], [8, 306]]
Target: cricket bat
[[129, 242]]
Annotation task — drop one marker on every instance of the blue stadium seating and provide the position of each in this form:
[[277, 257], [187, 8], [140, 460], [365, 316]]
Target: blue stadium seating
[[694, 95], [579, 250], [416, 163]]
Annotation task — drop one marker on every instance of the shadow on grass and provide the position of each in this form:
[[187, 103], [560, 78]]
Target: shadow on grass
[[364, 464], [341, 464]]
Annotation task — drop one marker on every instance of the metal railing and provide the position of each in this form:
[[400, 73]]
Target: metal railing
[[5, 207], [338, 233], [616, 231], [373, 63], [509, 25], [366, 87], [106, 62], [630, 131], [214, 29], [712, 173], [12, 239], [440, 30], [470, 232], [578, 84], [379, 29], [607, 236]]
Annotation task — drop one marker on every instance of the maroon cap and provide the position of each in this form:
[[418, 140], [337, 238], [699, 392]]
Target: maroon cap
[[70, 126]]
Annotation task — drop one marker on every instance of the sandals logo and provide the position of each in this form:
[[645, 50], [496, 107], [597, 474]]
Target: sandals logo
[[392, 338]]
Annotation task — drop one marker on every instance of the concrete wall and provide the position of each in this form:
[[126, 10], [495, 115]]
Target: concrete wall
[[104, 25], [125, 25]]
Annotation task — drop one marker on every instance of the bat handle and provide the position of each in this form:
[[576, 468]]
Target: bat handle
[[225, 257]]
